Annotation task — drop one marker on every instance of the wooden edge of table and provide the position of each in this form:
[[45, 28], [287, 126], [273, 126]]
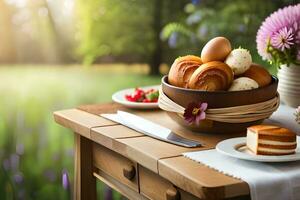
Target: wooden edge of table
[[148, 151], [107, 136], [80, 121], [200, 180]]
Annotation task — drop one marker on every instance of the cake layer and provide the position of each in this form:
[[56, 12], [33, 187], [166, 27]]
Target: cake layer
[[275, 150], [293, 146], [277, 138], [272, 130], [270, 142], [266, 151]]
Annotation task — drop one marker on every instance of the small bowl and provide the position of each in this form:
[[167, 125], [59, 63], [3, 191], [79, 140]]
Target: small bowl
[[218, 99]]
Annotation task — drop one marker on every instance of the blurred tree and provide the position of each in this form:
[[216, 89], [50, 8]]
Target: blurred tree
[[156, 57], [124, 30], [7, 47], [32, 31], [114, 30], [163, 12]]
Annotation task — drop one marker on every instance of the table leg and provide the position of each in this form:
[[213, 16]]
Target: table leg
[[85, 182]]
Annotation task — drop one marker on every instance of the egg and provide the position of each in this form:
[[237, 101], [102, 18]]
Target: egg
[[239, 60], [243, 83], [217, 49]]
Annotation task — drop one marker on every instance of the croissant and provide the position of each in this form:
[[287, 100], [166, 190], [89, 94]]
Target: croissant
[[211, 76], [182, 69]]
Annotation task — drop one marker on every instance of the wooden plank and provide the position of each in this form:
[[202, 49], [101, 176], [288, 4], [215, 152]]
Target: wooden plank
[[106, 135], [79, 121], [155, 187], [200, 180], [102, 108], [119, 187], [161, 117], [85, 183], [147, 151], [113, 164]]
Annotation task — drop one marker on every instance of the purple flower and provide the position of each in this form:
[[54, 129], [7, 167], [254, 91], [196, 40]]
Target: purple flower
[[18, 177], [195, 2], [66, 183], [195, 112], [283, 39], [173, 40], [108, 195], [288, 17], [242, 28], [14, 161], [65, 180]]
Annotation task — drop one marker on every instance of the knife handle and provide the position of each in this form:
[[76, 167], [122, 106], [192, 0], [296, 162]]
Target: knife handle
[[129, 172], [172, 194]]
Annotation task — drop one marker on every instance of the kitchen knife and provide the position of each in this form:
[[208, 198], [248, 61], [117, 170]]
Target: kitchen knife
[[150, 129]]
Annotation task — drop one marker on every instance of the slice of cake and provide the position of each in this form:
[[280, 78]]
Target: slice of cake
[[271, 140]]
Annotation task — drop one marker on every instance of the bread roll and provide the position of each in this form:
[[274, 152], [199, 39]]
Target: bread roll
[[182, 69], [259, 74], [239, 60], [243, 83], [211, 76]]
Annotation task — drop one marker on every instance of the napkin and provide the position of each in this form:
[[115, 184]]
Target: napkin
[[276, 181]]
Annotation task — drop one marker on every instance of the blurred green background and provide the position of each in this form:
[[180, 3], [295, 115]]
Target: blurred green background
[[57, 54]]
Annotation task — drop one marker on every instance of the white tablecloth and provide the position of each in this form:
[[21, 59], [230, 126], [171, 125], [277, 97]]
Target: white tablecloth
[[267, 181]]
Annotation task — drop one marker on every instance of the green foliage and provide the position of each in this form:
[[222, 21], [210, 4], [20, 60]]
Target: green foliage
[[32, 145], [278, 58], [114, 27], [173, 27], [237, 20]]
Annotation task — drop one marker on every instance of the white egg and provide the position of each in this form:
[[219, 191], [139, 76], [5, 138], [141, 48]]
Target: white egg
[[243, 83], [239, 60]]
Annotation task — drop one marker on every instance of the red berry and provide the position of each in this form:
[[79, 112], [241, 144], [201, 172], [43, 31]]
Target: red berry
[[146, 101]]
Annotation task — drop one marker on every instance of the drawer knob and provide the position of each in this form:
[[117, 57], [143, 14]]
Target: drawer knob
[[172, 194], [129, 172]]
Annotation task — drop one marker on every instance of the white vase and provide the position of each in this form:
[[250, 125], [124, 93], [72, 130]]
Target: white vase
[[289, 85]]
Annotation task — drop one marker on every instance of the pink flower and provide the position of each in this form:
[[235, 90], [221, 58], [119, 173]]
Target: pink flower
[[283, 39], [288, 17], [195, 112]]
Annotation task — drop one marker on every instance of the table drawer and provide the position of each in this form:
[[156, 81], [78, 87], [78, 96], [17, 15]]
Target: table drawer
[[157, 188], [116, 165]]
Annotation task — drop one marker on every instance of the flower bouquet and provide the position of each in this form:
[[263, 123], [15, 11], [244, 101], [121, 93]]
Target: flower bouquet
[[278, 41], [278, 38]]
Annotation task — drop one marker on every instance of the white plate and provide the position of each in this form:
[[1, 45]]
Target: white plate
[[236, 147], [119, 97]]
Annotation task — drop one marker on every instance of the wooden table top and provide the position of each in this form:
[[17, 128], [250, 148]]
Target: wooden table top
[[160, 157]]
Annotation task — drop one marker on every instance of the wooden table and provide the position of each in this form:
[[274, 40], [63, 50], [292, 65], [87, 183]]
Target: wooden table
[[138, 166]]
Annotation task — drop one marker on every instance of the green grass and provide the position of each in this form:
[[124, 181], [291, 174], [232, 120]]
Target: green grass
[[34, 150]]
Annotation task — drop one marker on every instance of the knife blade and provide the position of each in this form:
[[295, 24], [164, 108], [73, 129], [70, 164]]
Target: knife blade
[[150, 129]]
